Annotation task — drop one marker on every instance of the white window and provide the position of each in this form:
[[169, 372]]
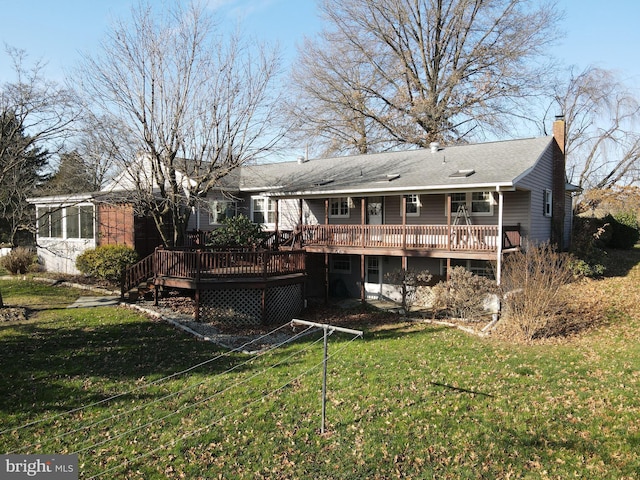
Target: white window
[[413, 205], [476, 203], [220, 210], [65, 222], [339, 207], [340, 264], [481, 268], [373, 270], [481, 203], [79, 221], [50, 222], [547, 203], [263, 210], [458, 200]]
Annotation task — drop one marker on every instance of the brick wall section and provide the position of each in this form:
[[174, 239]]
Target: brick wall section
[[559, 182], [116, 225]]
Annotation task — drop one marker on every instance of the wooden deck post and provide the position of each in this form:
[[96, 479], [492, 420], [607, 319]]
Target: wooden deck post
[[404, 222], [277, 221], [499, 237], [448, 227], [326, 278], [363, 220]]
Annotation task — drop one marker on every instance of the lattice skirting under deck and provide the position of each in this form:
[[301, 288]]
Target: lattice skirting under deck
[[243, 306]]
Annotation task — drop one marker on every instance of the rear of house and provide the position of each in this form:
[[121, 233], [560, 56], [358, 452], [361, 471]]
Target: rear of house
[[361, 217]]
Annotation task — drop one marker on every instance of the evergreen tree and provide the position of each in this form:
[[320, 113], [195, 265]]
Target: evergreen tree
[[72, 176], [21, 164]]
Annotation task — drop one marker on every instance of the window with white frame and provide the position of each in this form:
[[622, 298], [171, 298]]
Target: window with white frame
[[481, 268], [413, 205], [339, 207], [373, 270], [50, 222], [79, 221], [340, 264], [220, 210], [547, 203], [476, 203], [263, 210], [481, 203], [66, 222], [458, 200]]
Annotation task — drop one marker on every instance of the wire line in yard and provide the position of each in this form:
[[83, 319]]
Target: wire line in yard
[[200, 402], [171, 395], [224, 417], [142, 386]]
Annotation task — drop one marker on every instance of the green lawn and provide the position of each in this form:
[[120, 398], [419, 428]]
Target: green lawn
[[408, 401]]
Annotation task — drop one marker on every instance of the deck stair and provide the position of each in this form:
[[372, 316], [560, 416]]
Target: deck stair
[[138, 278]]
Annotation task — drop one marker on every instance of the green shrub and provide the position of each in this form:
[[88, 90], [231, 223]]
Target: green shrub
[[624, 230], [464, 295], [583, 268], [106, 262], [236, 232], [20, 260]]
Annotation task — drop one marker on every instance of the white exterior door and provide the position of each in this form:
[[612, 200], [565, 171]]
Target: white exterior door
[[374, 211], [373, 278]]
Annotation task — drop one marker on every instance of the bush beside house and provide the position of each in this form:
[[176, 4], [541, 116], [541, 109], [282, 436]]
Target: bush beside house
[[19, 260], [106, 262]]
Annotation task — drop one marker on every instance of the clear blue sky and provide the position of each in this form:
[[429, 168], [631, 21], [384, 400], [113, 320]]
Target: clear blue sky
[[597, 32]]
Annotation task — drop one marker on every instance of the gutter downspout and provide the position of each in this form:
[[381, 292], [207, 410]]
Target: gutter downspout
[[500, 235]]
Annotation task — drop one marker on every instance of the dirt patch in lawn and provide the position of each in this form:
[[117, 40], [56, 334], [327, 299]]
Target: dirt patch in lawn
[[13, 314]]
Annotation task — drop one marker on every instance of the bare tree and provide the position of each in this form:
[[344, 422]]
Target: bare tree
[[329, 105], [37, 116], [43, 113], [434, 70], [191, 102], [603, 142]]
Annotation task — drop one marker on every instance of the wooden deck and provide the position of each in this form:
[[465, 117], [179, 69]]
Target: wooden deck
[[191, 268], [454, 238]]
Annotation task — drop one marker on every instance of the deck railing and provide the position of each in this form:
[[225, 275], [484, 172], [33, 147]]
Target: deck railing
[[139, 272], [201, 264], [440, 237]]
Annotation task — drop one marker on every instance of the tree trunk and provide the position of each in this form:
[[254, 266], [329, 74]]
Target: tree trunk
[[1, 304]]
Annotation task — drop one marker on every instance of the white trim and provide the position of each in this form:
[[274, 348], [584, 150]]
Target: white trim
[[266, 202], [547, 202]]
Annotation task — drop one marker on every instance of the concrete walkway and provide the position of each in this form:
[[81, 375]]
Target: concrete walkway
[[88, 302]]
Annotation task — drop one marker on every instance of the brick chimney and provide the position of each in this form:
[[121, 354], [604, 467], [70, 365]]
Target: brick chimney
[[559, 182]]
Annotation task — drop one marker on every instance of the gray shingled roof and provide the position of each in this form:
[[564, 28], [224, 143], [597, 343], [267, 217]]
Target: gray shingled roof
[[495, 163]]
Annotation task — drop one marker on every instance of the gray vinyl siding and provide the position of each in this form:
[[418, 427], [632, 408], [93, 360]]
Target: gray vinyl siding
[[536, 181], [516, 211], [289, 213]]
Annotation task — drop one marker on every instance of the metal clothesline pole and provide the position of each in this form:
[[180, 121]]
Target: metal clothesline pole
[[328, 330]]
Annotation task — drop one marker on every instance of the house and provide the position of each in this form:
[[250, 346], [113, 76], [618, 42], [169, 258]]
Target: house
[[360, 217]]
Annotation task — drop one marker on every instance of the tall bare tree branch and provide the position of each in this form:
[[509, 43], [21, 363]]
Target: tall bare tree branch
[[435, 70], [187, 99]]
